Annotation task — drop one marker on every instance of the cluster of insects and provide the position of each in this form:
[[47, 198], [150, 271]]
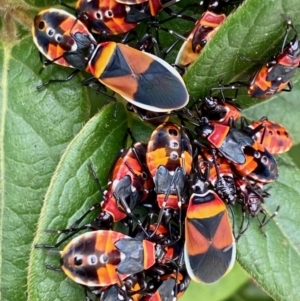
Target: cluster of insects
[[173, 195]]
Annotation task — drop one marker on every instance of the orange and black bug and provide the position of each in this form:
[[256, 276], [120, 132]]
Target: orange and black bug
[[251, 196], [210, 248], [105, 16], [229, 141], [203, 31], [259, 164], [129, 184], [165, 292], [217, 170], [276, 74], [141, 78], [61, 38], [218, 110], [273, 136], [129, 289], [104, 257], [168, 288], [169, 159], [247, 156], [170, 285], [98, 258]]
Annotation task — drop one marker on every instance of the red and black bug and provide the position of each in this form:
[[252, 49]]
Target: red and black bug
[[209, 248], [273, 136], [169, 159], [251, 197], [247, 156], [217, 170], [61, 38], [203, 31], [259, 164], [130, 288], [101, 258], [229, 141], [276, 74], [105, 17], [169, 287], [141, 78], [130, 183], [219, 110]]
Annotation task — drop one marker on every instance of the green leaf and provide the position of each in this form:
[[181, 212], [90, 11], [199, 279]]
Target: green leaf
[[218, 291], [72, 192], [254, 31], [36, 126], [273, 261], [250, 292]]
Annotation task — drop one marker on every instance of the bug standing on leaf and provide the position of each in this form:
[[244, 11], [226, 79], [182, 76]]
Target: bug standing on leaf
[[203, 31], [99, 258], [274, 136], [129, 184], [275, 75], [62, 39], [143, 79], [209, 248], [169, 158], [229, 141], [221, 111]]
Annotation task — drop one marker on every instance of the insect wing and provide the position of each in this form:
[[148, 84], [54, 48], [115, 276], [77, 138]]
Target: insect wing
[[210, 247], [141, 78]]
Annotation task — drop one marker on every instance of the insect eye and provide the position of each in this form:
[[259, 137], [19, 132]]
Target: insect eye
[[50, 32], [264, 159], [41, 25], [77, 260]]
